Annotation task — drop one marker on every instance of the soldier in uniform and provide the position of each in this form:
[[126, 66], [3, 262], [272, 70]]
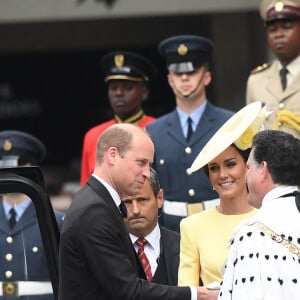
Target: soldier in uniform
[[278, 84], [24, 270], [127, 75], [181, 134]]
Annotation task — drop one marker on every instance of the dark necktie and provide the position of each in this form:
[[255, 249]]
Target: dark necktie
[[283, 72], [12, 219], [190, 129], [123, 209], [141, 242]]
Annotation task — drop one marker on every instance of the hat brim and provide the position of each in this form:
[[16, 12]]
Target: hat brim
[[227, 134], [125, 77], [282, 17], [181, 67]]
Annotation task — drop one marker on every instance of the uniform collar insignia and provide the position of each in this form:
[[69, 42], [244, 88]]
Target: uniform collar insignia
[[135, 119]]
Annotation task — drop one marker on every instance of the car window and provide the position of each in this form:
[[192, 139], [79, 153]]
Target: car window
[[29, 236]]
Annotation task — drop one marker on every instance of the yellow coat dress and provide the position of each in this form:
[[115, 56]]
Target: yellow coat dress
[[204, 245]]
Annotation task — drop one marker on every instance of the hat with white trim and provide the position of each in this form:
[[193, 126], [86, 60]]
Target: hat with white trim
[[276, 10], [239, 130]]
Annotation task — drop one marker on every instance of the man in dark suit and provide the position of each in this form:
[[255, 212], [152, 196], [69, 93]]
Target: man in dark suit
[[181, 134], [97, 260], [24, 270], [142, 222]]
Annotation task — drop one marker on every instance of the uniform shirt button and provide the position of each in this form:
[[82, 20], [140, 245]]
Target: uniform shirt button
[[161, 162], [9, 257], [8, 274], [189, 171], [188, 150], [281, 105], [191, 192], [9, 240], [35, 249]]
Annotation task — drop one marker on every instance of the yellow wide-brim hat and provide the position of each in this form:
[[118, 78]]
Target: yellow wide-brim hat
[[239, 130]]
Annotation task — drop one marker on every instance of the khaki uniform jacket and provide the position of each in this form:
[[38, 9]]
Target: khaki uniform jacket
[[265, 86]]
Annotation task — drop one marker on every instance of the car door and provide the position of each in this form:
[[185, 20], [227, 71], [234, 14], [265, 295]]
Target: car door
[[29, 251]]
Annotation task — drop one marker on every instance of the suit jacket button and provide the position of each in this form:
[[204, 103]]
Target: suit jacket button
[[191, 192], [188, 150], [189, 171], [9, 240], [35, 249], [8, 274], [9, 257]]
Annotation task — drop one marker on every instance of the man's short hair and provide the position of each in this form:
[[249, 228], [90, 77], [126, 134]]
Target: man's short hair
[[280, 150]]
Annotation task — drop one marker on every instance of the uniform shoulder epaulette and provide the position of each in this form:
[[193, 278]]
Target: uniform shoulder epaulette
[[260, 68]]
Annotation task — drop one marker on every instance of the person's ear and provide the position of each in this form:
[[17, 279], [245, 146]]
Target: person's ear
[[264, 170], [160, 198], [145, 92], [207, 78], [112, 155], [170, 80]]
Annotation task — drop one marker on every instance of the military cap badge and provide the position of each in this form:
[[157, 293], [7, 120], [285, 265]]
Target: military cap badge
[[7, 146], [279, 6], [182, 49], [119, 60]]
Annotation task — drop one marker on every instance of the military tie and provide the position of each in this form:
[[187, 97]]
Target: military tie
[[283, 72], [190, 129], [12, 219], [141, 242]]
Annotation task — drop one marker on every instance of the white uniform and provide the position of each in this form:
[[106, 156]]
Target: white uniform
[[258, 267]]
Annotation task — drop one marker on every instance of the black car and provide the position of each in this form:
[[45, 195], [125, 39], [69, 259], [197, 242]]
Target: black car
[[30, 181]]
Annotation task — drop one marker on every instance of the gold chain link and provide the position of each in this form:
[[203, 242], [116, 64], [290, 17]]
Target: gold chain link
[[279, 238]]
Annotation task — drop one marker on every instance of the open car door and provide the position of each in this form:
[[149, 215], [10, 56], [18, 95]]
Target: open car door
[[29, 181]]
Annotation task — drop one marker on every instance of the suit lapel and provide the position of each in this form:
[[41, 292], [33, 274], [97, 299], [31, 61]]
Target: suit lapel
[[174, 128], [100, 189], [273, 85], [28, 218], [165, 241], [3, 221], [203, 128], [103, 193], [205, 125], [293, 88]]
